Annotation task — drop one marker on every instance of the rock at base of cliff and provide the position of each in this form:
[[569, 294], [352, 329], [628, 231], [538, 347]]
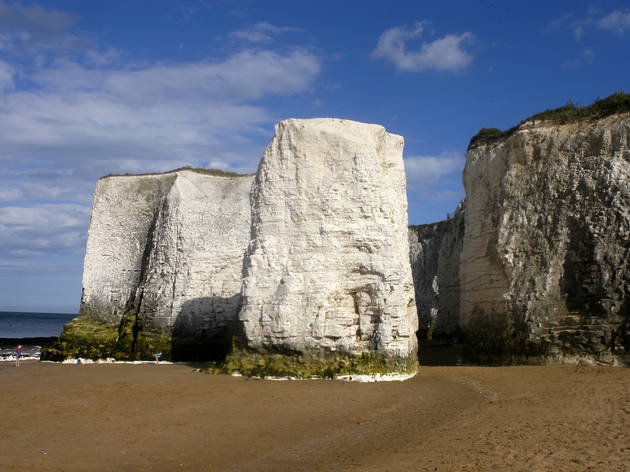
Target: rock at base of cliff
[[88, 339], [309, 366]]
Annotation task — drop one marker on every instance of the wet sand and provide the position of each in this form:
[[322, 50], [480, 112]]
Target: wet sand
[[169, 418]]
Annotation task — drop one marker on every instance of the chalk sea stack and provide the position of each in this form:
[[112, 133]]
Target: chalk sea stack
[[326, 273], [322, 271], [162, 269]]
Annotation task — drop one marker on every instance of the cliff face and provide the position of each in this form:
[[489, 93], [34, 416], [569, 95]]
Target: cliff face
[[544, 265], [162, 269], [316, 263], [434, 251], [327, 269]]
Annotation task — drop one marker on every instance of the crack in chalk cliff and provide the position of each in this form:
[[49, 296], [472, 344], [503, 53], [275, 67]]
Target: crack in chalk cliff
[[134, 305], [178, 252], [357, 311], [136, 245]]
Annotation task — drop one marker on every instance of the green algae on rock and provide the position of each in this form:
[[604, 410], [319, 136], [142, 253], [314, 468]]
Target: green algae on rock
[[307, 366], [88, 339], [85, 338]]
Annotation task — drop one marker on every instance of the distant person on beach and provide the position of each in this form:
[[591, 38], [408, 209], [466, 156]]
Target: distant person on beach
[[158, 356], [18, 354]]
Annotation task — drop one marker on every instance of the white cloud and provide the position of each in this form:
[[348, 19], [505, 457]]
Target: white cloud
[[103, 119], [7, 74], [617, 22], [261, 32], [33, 18], [31, 27], [247, 75], [587, 57], [77, 115], [568, 21], [24, 191], [45, 229], [9, 264], [103, 58], [425, 172], [443, 54], [57, 215]]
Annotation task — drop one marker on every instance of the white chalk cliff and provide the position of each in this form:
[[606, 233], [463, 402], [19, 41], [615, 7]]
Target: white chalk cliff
[[312, 256], [327, 268], [434, 253], [545, 264], [168, 248]]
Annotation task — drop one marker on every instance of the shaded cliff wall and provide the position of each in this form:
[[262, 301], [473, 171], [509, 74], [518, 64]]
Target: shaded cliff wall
[[327, 269], [163, 261], [434, 254], [122, 224], [544, 265]]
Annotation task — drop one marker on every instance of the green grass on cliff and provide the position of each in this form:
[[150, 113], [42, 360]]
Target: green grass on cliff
[[215, 172], [618, 102]]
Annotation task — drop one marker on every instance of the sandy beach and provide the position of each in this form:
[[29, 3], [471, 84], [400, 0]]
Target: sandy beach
[[169, 417]]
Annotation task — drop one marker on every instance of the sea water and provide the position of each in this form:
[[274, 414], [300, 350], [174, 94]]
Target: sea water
[[15, 324]]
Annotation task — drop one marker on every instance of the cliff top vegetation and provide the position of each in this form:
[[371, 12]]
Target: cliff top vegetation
[[198, 170], [618, 102]]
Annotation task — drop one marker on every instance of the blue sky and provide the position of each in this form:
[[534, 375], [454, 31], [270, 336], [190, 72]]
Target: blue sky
[[99, 87]]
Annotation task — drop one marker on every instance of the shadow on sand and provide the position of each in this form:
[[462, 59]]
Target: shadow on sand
[[438, 353]]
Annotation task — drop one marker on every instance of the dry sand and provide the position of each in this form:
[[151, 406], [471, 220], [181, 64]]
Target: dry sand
[[170, 418]]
